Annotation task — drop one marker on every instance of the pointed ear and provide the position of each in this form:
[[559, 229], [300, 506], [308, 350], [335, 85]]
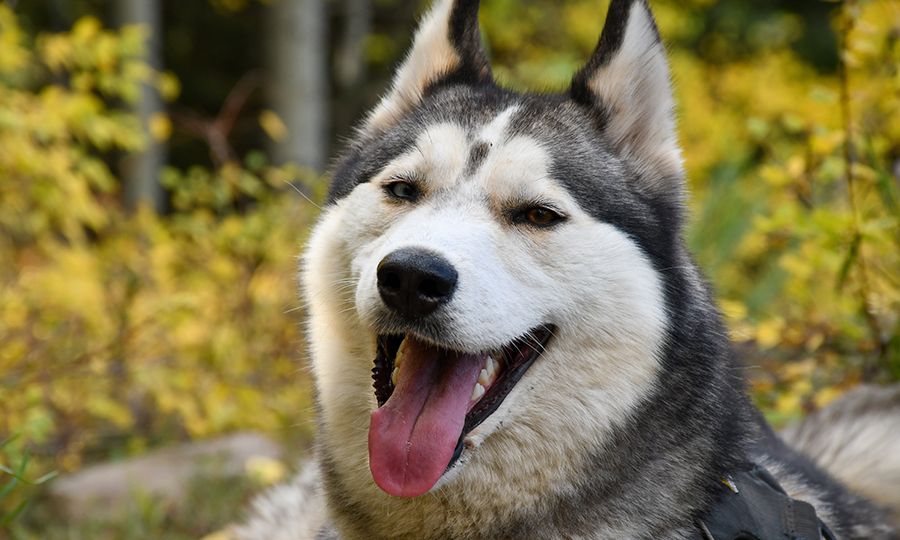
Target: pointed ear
[[627, 82], [447, 48]]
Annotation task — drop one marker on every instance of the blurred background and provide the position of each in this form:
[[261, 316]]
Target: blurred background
[[161, 162]]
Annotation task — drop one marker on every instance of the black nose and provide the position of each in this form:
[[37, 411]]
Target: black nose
[[415, 282]]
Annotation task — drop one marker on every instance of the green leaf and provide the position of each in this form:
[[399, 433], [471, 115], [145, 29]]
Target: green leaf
[[852, 256], [5, 520]]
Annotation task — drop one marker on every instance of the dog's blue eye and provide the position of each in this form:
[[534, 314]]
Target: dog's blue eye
[[402, 190]]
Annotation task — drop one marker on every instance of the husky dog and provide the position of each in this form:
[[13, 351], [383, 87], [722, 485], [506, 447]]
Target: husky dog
[[509, 337]]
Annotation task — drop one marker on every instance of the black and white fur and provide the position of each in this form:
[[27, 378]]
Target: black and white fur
[[626, 423]]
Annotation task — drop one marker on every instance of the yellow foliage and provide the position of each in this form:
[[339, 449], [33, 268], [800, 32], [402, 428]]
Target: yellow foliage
[[133, 328], [160, 127], [768, 333], [788, 403], [219, 535], [826, 396], [273, 126], [265, 471]]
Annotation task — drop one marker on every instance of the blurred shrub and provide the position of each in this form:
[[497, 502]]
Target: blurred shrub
[[799, 216], [120, 331]]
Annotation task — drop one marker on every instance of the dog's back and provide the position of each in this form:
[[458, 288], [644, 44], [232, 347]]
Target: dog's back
[[857, 440]]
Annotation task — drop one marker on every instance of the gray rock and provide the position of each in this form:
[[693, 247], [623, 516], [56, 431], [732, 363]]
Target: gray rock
[[106, 490]]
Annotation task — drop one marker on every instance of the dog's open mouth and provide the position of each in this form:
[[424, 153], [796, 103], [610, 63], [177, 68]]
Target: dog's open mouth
[[429, 398]]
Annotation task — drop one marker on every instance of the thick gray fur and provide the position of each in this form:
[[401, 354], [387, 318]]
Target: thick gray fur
[[856, 439], [292, 511]]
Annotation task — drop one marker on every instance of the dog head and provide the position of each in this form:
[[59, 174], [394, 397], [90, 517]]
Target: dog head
[[493, 261]]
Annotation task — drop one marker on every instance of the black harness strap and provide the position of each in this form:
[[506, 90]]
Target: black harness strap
[[755, 507]]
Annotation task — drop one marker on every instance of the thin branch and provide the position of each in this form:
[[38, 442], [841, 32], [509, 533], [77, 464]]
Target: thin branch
[[849, 8], [215, 132]]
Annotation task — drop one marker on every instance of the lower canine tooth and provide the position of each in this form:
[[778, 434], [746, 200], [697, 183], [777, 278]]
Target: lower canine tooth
[[398, 358], [394, 376], [477, 392]]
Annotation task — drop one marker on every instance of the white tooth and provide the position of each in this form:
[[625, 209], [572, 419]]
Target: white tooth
[[477, 392], [484, 377], [492, 366], [394, 376]]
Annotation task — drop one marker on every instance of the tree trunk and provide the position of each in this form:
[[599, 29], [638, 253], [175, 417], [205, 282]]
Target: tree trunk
[[350, 61], [298, 32], [142, 171]]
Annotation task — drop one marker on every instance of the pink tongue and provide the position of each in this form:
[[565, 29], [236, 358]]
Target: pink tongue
[[412, 437]]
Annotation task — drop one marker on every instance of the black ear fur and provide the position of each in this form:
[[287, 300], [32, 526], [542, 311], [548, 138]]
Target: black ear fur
[[611, 40], [625, 85], [447, 49], [465, 37]]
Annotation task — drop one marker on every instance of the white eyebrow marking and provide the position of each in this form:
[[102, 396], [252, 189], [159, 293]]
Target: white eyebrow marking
[[492, 132]]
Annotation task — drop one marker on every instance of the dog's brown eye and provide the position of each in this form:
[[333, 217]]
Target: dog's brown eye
[[403, 190], [541, 216]]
